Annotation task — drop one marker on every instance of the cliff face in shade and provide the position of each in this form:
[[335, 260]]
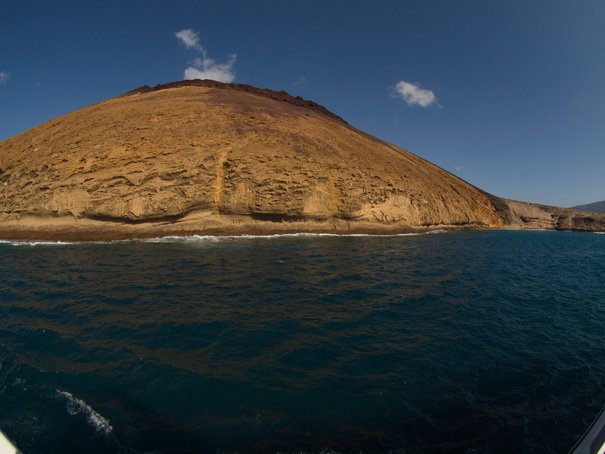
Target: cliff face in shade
[[205, 157]]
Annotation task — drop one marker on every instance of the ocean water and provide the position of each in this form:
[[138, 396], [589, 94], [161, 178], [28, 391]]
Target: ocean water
[[459, 342]]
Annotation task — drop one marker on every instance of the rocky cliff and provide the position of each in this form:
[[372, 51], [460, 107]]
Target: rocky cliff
[[202, 157]]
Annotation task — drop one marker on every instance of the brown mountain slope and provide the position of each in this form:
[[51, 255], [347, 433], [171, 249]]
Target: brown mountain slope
[[204, 157]]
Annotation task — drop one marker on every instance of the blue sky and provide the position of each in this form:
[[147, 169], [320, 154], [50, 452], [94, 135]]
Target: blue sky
[[508, 95]]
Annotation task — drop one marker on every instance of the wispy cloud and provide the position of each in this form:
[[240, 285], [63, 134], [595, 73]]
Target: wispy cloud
[[204, 67], [189, 39], [3, 77], [301, 82], [413, 94]]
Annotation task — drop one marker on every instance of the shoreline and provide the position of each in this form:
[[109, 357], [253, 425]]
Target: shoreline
[[515, 216], [31, 228]]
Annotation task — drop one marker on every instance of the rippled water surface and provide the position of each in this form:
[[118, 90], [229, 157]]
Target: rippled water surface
[[467, 342]]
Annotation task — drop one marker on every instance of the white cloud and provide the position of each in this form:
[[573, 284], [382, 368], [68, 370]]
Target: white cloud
[[205, 67], [413, 94], [3, 77], [189, 38]]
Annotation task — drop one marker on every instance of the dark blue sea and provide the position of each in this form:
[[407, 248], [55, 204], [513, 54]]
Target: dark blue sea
[[460, 342]]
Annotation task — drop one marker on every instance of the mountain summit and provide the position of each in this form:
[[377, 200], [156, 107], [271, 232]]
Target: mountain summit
[[203, 157]]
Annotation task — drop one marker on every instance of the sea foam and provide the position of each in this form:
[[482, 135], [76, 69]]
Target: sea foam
[[75, 406], [217, 238], [209, 238], [37, 243]]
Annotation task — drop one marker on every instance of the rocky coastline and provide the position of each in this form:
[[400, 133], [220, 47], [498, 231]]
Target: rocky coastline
[[206, 158]]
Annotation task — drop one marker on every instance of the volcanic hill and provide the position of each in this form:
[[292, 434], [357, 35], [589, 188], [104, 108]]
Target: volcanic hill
[[202, 157]]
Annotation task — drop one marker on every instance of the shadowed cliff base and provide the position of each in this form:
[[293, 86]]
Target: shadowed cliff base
[[203, 157]]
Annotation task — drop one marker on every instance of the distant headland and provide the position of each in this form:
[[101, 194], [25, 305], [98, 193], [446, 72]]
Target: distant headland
[[203, 157], [595, 207]]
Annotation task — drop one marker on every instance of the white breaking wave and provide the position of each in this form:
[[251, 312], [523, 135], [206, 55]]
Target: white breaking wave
[[209, 238], [181, 239], [75, 406], [217, 238], [38, 243]]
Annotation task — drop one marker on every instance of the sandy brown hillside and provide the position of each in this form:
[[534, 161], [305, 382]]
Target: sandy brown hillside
[[205, 157]]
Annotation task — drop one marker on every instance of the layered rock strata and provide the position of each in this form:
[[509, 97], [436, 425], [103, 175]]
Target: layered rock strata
[[201, 157]]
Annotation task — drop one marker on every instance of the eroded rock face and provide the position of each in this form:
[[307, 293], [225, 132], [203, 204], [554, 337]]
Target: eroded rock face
[[203, 156], [523, 215]]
